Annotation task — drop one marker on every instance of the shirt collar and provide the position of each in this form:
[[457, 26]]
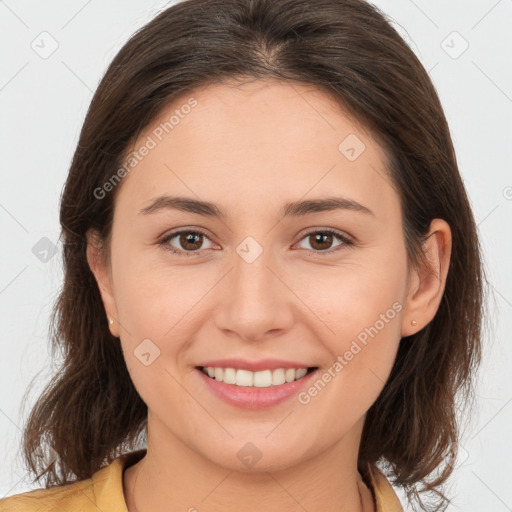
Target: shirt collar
[[109, 494]]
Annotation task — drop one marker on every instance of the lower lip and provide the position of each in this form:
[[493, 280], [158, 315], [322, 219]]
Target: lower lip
[[248, 397]]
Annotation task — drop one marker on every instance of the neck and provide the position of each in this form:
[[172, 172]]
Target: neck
[[172, 477]]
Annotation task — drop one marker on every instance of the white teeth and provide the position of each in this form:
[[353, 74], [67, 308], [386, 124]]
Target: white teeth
[[278, 377], [289, 375], [243, 377], [300, 373], [261, 379], [229, 376]]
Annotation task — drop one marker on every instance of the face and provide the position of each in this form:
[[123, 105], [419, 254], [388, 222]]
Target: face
[[269, 281]]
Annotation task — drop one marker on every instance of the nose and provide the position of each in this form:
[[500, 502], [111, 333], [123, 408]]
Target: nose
[[255, 301]]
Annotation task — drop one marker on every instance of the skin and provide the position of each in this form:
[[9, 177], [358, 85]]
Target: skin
[[266, 143]]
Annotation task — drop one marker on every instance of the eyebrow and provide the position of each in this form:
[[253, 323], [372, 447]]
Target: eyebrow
[[292, 209]]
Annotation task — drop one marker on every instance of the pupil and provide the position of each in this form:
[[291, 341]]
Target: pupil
[[318, 238], [188, 238]]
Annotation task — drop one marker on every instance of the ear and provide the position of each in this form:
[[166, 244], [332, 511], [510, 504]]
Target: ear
[[102, 273], [427, 282]]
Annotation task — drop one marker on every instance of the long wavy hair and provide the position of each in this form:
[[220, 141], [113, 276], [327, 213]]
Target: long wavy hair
[[90, 412]]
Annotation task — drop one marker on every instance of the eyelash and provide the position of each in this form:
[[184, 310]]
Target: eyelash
[[164, 242]]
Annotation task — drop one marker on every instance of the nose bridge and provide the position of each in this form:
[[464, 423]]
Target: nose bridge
[[251, 275]]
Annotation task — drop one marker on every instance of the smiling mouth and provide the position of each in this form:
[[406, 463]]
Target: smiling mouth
[[260, 379]]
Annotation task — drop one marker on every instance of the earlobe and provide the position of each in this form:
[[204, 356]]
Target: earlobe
[[427, 281], [102, 275]]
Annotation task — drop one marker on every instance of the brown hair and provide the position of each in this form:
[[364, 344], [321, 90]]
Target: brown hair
[[90, 412]]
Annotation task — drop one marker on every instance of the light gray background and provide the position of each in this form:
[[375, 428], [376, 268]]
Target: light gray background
[[43, 102]]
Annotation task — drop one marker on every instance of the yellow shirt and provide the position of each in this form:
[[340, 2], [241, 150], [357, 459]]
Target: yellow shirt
[[104, 492]]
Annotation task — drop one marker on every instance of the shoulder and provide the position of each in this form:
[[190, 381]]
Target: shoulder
[[103, 491], [73, 496]]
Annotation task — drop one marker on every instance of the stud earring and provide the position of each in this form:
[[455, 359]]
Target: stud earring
[[110, 321], [413, 322]]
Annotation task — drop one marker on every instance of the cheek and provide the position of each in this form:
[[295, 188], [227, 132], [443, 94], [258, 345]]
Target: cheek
[[158, 300], [363, 351], [157, 306], [355, 294], [361, 305], [155, 299]]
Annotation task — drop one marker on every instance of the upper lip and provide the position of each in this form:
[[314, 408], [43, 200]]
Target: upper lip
[[254, 366]]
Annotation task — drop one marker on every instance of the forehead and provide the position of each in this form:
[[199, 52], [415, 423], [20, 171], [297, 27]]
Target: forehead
[[224, 142]]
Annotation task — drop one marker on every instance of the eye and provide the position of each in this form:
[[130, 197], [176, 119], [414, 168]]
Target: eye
[[189, 242], [321, 241]]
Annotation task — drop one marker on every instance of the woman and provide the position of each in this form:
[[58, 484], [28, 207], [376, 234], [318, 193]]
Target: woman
[[272, 272]]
